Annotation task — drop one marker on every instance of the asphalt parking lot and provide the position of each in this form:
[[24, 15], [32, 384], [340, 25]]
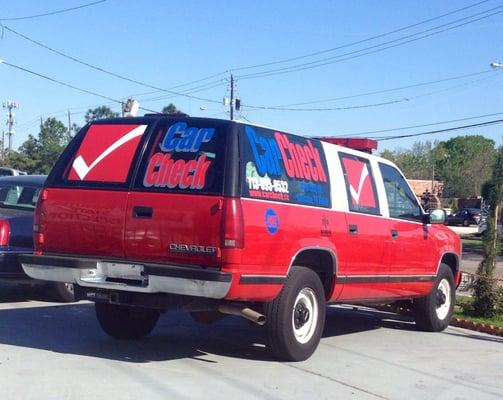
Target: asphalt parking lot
[[55, 351]]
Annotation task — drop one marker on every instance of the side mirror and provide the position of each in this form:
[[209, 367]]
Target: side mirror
[[436, 216]]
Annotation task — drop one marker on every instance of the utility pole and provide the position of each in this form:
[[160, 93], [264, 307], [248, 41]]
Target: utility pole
[[3, 145], [9, 105], [231, 103], [69, 125]]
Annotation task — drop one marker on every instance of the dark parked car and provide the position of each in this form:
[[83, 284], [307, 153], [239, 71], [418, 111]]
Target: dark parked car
[[465, 217], [18, 197]]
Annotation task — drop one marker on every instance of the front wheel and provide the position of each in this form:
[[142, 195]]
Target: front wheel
[[126, 322], [295, 319], [433, 312]]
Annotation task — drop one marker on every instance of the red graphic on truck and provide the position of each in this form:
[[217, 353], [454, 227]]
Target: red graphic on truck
[[106, 153], [360, 185], [283, 167]]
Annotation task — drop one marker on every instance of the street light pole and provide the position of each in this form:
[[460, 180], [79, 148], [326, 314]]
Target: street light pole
[[497, 208]]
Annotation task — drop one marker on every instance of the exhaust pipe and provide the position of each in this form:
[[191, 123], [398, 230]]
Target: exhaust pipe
[[246, 312]]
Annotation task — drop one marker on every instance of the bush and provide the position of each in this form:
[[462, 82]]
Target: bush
[[485, 299], [499, 301]]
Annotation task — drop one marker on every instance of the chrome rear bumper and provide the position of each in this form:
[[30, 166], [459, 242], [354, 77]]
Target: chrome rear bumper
[[131, 277]]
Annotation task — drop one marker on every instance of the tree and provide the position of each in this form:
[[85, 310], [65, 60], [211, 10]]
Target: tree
[[464, 163], [416, 163], [52, 140], [485, 293], [38, 155], [171, 109], [100, 113], [20, 161]]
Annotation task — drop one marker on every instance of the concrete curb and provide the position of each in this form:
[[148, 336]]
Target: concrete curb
[[476, 326]]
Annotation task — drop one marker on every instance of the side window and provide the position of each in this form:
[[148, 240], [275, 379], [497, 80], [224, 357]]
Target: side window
[[402, 202], [360, 184], [276, 166]]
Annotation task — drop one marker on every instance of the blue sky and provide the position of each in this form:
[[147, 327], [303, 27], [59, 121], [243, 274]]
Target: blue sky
[[169, 43]]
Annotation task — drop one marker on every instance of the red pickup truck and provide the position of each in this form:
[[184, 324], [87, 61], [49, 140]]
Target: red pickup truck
[[218, 217]]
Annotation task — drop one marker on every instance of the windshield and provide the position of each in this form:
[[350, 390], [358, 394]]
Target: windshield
[[18, 197]]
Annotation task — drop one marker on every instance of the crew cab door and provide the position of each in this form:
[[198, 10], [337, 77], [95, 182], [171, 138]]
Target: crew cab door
[[82, 208], [412, 251], [173, 213], [363, 263]]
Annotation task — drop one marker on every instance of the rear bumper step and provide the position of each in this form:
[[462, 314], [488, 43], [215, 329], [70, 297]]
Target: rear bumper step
[[128, 276]]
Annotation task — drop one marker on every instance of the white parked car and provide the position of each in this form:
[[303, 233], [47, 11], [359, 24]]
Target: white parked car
[[6, 171]]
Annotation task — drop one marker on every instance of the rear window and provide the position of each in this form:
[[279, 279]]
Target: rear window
[[106, 153], [186, 157], [102, 156], [19, 197], [281, 167]]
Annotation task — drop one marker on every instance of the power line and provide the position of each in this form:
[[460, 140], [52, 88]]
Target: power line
[[197, 89], [372, 49], [53, 12], [62, 113], [360, 41], [486, 123], [333, 59], [59, 82], [383, 103], [241, 68], [389, 90], [65, 84], [364, 133], [174, 94], [114, 74]]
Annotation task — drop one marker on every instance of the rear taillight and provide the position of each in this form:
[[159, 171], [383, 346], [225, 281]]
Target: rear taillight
[[38, 229], [232, 224], [4, 232]]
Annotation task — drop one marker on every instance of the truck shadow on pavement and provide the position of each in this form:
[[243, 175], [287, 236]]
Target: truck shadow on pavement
[[15, 293], [73, 329]]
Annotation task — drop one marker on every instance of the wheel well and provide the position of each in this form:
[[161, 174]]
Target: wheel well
[[451, 260], [322, 262]]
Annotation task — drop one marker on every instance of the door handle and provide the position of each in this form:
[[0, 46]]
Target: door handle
[[353, 229], [143, 212], [394, 233]]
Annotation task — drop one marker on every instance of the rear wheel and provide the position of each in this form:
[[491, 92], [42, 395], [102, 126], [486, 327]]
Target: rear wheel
[[433, 312], [126, 322], [296, 317], [466, 222]]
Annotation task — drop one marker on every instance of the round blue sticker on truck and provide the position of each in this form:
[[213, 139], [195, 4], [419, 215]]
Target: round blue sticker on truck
[[271, 221]]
